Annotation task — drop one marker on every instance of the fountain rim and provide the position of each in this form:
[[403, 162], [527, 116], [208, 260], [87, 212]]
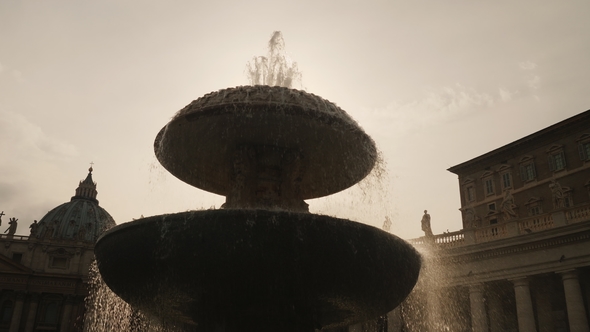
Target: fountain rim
[[271, 103]]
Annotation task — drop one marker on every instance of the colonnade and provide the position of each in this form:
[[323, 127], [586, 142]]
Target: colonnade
[[576, 311], [33, 301]]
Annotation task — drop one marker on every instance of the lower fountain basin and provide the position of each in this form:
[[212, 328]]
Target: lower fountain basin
[[242, 270]]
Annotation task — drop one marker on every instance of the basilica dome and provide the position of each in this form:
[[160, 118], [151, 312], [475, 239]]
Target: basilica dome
[[80, 219]]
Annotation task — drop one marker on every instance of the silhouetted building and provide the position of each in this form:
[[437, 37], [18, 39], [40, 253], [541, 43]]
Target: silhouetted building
[[522, 260], [43, 276]]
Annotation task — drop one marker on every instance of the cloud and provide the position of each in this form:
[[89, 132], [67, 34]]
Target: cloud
[[534, 82], [28, 156], [527, 65], [505, 95], [1, 67], [437, 106], [22, 139]]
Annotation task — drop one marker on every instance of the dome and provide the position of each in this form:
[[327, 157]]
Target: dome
[[80, 219]]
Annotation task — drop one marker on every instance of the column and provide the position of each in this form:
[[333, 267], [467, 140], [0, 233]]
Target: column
[[30, 324], [65, 318], [576, 312], [478, 308], [524, 306], [18, 311]]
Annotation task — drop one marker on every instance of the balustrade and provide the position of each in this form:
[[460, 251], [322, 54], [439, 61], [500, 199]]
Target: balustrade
[[535, 224], [577, 214]]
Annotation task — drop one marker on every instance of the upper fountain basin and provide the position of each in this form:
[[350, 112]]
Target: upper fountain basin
[[199, 143]]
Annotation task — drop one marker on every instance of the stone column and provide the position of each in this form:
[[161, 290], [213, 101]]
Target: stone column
[[576, 312], [18, 311], [478, 309], [65, 317], [524, 306], [30, 324]]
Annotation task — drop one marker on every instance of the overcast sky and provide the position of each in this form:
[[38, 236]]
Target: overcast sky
[[435, 83]]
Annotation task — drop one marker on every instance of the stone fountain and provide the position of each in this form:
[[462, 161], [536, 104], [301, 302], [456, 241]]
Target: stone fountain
[[262, 262]]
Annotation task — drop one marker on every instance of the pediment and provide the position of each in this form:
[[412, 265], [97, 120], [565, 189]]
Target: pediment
[[584, 136], [486, 174], [526, 158], [504, 167], [533, 200], [467, 181], [554, 147], [8, 265]]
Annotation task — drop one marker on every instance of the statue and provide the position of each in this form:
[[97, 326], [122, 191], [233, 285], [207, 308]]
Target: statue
[[557, 194], [471, 219], [12, 228], [508, 206], [426, 224], [1, 214], [34, 226], [49, 230]]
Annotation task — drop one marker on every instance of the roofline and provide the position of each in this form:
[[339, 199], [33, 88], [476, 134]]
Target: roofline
[[543, 132]]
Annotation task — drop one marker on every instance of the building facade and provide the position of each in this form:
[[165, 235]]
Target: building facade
[[43, 276], [522, 260]]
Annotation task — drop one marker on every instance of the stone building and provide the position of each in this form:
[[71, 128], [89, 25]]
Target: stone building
[[43, 275], [522, 260]]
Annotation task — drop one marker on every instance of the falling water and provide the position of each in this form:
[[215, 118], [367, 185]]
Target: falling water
[[432, 305], [105, 311]]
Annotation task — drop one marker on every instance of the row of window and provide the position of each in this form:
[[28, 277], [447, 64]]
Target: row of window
[[555, 158]]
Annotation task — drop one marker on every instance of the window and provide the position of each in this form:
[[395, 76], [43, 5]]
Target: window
[[469, 190], [17, 257], [567, 197], [527, 169], [534, 210], [470, 193], [556, 161], [489, 184], [556, 158], [487, 179], [492, 206], [59, 262], [584, 147], [534, 206], [505, 176], [506, 180], [493, 221]]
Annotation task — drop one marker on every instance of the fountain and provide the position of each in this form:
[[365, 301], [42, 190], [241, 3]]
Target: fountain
[[262, 262]]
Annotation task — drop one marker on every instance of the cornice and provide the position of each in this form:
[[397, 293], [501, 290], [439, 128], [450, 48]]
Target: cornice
[[458, 257], [539, 138]]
